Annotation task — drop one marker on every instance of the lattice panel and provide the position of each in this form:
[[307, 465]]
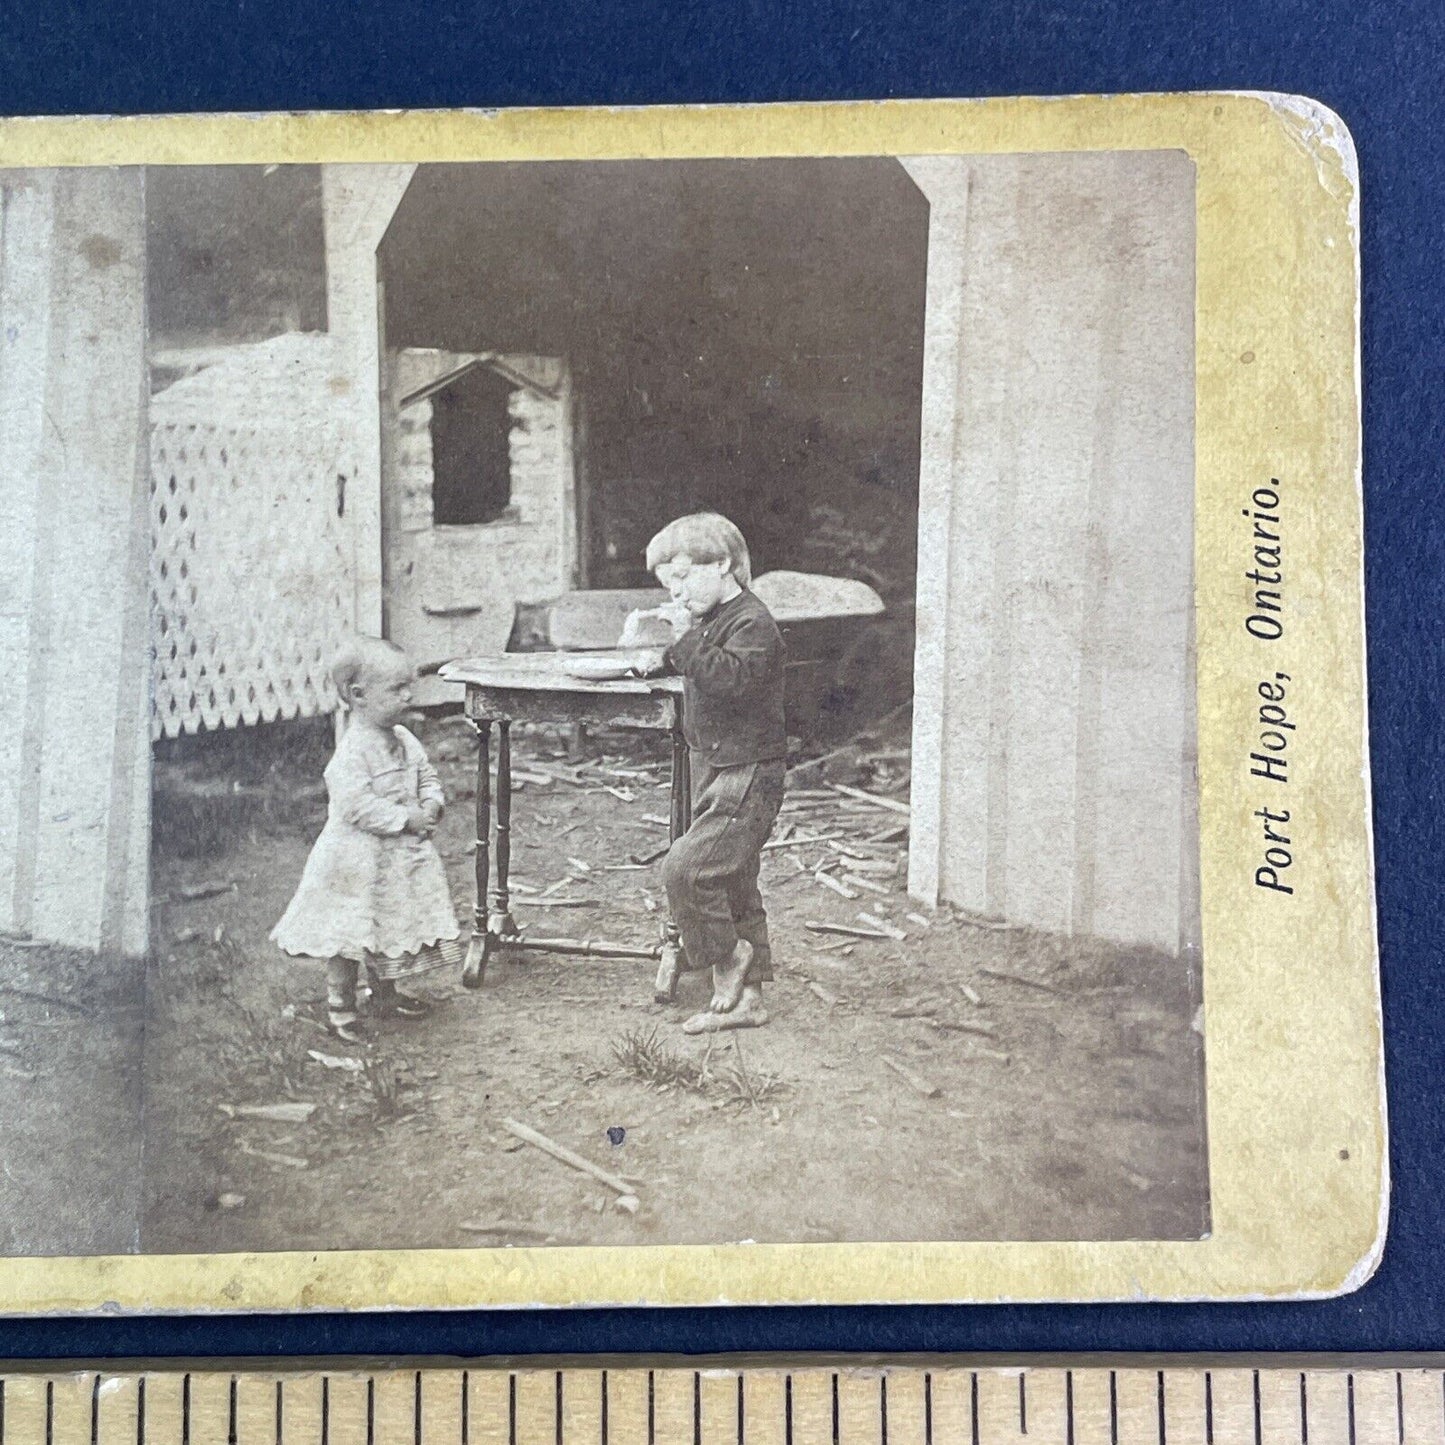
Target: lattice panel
[[251, 569]]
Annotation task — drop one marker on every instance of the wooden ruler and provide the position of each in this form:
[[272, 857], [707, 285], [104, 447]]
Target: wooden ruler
[[681, 1403]]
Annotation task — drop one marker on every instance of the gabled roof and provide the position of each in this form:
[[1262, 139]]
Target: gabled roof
[[504, 368]]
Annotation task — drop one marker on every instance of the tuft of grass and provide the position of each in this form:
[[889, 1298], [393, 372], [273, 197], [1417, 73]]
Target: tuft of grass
[[641, 1054], [384, 1082], [743, 1086]]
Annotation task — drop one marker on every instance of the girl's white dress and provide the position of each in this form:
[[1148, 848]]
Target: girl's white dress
[[372, 891]]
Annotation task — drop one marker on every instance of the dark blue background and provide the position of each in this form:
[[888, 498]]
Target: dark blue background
[[1379, 65]]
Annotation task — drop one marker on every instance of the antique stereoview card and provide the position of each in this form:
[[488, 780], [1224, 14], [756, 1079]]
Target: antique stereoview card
[[685, 706]]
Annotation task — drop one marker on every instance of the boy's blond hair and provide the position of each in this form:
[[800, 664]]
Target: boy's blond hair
[[361, 655], [705, 537]]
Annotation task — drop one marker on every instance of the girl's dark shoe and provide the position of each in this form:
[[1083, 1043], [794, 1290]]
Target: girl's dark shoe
[[346, 1026], [401, 1006]]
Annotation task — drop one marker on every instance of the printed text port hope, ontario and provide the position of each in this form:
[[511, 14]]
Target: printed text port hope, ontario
[[1273, 725]]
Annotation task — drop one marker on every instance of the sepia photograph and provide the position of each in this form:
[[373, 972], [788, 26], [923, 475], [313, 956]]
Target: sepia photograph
[[600, 703]]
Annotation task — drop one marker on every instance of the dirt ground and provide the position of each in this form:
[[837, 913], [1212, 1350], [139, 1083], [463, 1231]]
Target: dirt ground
[[71, 1036], [1045, 1089]]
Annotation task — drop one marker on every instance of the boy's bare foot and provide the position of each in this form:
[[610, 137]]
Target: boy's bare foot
[[748, 1014], [727, 979]]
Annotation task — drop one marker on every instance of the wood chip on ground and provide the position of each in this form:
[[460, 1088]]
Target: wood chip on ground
[[915, 1081], [284, 1113], [892, 804], [867, 884], [842, 928], [889, 930]]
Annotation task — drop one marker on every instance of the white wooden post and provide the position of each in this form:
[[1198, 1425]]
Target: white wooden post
[[944, 180], [358, 203], [74, 633], [1053, 647]]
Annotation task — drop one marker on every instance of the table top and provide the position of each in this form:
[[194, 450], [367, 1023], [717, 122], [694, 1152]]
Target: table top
[[547, 672]]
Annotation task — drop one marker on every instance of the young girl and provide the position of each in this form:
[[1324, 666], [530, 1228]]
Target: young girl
[[374, 890]]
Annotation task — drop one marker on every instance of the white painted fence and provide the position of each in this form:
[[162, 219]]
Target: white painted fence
[[253, 463]]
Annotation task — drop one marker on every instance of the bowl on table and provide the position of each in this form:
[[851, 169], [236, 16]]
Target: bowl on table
[[592, 668]]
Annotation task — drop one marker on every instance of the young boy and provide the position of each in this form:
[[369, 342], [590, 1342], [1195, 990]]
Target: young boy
[[730, 655]]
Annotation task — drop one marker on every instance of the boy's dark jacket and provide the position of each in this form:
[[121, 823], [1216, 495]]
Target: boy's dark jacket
[[731, 663]]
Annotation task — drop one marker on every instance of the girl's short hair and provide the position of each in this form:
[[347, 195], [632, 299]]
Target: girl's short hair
[[361, 655], [705, 537]]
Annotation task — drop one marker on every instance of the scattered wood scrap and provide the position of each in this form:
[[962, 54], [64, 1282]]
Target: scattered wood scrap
[[867, 884], [799, 840], [982, 1053], [915, 1081], [268, 1156], [537, 1140], [843, 929], [892, 804], [1007, 977], [916, 1008], [331, 1061], [862, 863], [283, 1113], [974, 920], [966, 1026], [36, 995], [888, 930]]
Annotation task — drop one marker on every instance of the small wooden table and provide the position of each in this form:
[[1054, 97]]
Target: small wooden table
[[536, 687]]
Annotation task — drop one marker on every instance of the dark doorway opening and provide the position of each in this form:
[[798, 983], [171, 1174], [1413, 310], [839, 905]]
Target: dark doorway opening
[[471, 450], [741, 334]]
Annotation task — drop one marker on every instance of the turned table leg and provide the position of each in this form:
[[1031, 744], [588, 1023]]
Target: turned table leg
[[475, 967], [670, 964], [501, 922]]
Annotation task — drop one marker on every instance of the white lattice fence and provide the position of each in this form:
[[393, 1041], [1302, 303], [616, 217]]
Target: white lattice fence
[[251, 569]]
